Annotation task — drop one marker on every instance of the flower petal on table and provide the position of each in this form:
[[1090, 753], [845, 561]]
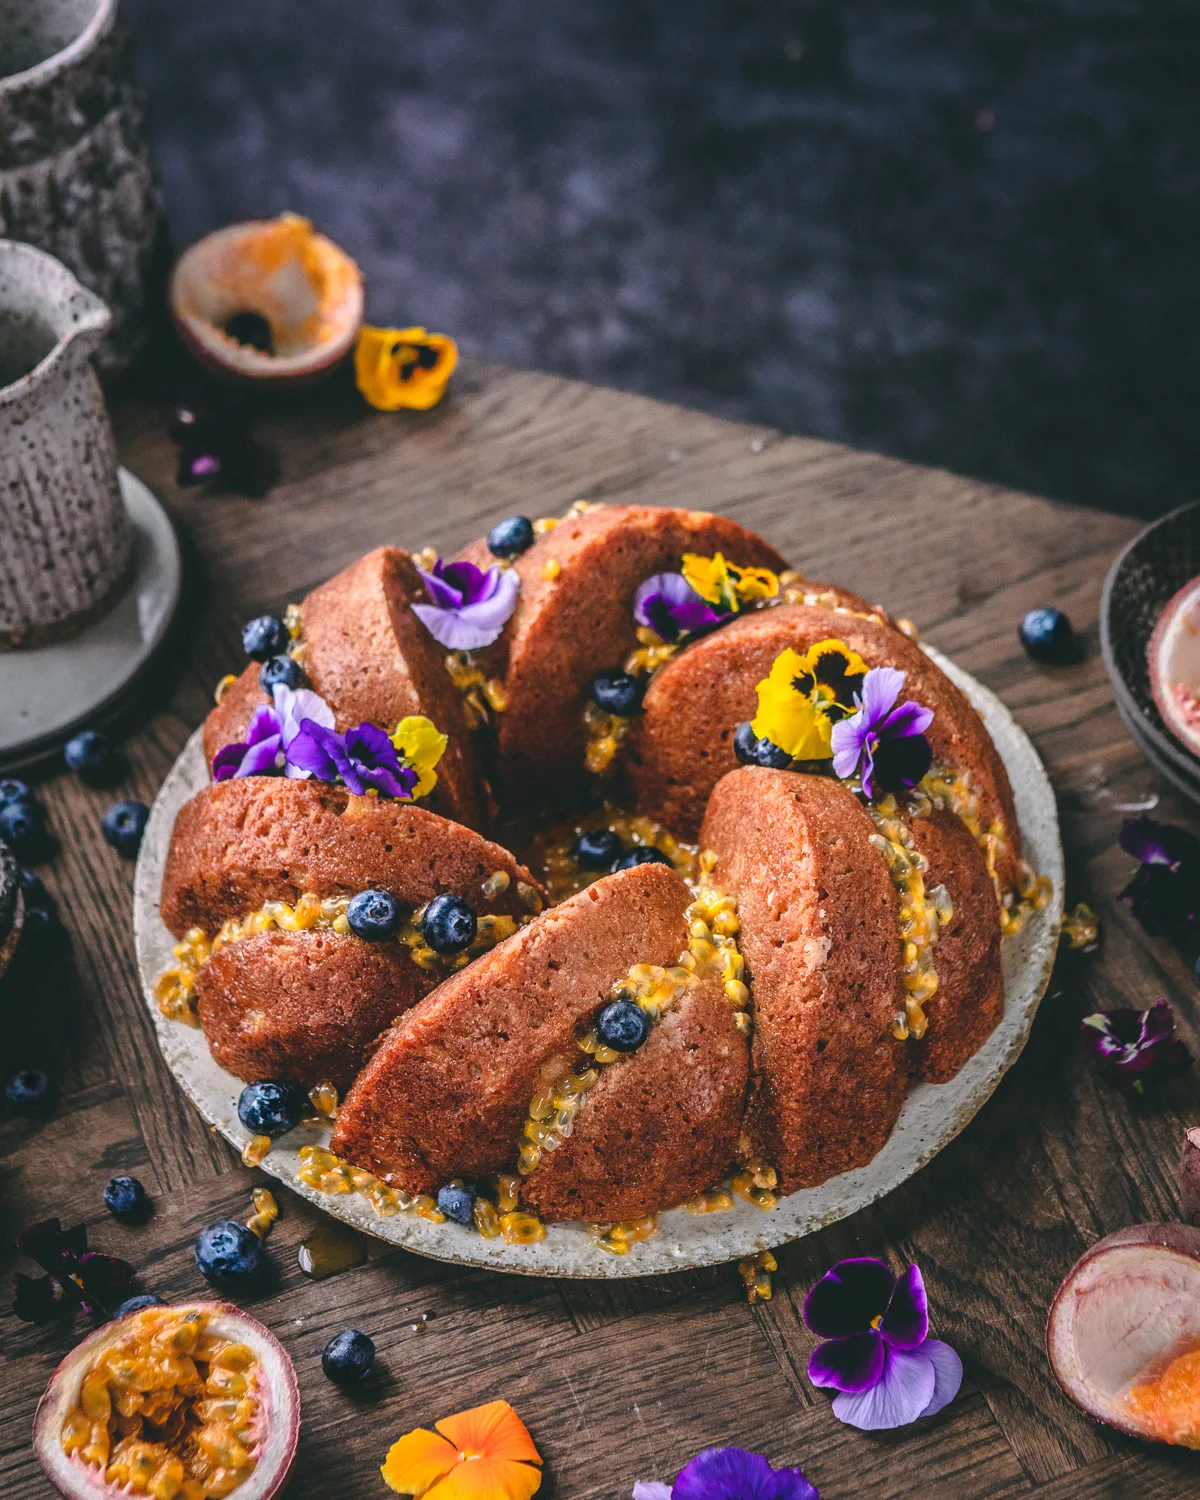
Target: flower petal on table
[[901, 1396], [947, 1371], [851, 1364], [906, 1323], [848, 1296]]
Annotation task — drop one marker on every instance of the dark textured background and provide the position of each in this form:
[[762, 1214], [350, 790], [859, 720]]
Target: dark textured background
[[965, 233]]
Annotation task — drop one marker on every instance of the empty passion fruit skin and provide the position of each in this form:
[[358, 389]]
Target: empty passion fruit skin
[[196, 1401]]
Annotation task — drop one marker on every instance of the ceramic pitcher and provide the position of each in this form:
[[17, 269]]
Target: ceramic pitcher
[[66, 545]]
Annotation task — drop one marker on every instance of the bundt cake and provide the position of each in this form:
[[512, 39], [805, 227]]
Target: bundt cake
[[727, 989]]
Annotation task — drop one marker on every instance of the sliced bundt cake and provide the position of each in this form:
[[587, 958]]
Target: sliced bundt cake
[[448, 1092], [822, 950], [574, 617], [367, 654], [257, 884], [681, 743]]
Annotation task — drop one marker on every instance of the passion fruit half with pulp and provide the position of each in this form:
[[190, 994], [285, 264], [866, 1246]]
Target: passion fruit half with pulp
[[270, 301], [194, 1400]]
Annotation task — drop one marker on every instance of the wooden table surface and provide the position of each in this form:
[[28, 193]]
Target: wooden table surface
[[626, 1380]]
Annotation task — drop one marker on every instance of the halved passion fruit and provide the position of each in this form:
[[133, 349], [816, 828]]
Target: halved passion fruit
[[1123, 1333], [270, 301], [192, 1402]]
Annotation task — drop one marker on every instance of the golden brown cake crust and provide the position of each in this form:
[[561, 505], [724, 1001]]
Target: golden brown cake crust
[[969, 1000], [819, 935], [566, 629], [304, 1007], [237, 844], [447, 1092], [682, 742], [368, 655], [659, 1127]]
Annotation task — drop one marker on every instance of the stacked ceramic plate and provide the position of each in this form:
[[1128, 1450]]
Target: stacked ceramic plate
[[1153, 568]]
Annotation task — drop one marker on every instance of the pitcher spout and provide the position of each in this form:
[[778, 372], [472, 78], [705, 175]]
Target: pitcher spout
[[47, 317]]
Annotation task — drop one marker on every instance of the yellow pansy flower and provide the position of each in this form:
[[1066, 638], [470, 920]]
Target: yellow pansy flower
[[803, 696], [403, 367], [723, 583], [421, 745], [482, 1454]]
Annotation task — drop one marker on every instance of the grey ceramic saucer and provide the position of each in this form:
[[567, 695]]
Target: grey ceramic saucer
[[932, 1116], [48, 692]]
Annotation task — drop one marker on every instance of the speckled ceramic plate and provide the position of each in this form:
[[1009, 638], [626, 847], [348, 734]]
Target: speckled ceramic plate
[[932, 1115]]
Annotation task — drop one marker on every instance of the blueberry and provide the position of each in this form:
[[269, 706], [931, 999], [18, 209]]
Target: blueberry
[[457, 1203], [227, 1253], [23, 829], [348, 1356], [623, 1026], [27, 1089], [449, 924], [617, 692], [642, 855], [91, 756], [597, 848], [12, 790], [374, 916], [1047, 635], [752, 751], [125, 1198], [280, 671], [123, 826], [511, 537], [136, 1304], [270, 1108], [249, 327], [265, 637]]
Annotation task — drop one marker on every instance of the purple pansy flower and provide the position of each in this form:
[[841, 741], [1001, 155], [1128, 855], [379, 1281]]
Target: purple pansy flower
[[76, 1276], [885, 744], [729, 1474], [470, 606], [269, 736], [672, 608], [877, 1352], [362, 757], [1164, 894], [1136, 1047]]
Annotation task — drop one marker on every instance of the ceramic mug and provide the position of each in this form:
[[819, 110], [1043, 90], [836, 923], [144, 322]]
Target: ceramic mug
[[66, 544]]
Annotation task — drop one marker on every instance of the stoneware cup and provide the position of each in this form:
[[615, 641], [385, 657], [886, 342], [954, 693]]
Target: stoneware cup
[[76, 176], [67, 543]]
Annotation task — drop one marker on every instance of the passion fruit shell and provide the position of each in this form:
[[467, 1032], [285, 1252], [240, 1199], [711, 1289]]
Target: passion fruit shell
[[307, 290], [1126, 1310], [1173, 658], [277, 1392]]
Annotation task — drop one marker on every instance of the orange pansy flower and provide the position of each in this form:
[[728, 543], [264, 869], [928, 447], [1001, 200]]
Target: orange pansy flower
[[482, 1454]]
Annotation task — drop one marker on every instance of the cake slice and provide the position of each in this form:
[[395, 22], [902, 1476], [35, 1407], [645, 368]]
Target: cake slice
[[574, 617], [366, 653], [820, 939], [681, 744], [447, 1093]]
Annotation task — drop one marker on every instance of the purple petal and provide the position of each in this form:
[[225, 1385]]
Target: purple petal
[[906, 1322], [671, 607], [651, 1489], [261, 759], [36, 1299], [854, 1363], [848, 1296], [909, 718], [264, 722], [1158, 843], [900, 1397], [52, 1246], [106, 1280], [866, 771], [227, 760], [471, 626], [734, 1474], [474, 585], [312, 751], [294, 705], [846, 741], [444, 595], [897, 765], [947, 1372], [880, 689]]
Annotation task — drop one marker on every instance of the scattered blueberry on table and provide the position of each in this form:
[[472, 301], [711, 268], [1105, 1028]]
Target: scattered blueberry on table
[[1047, 636], [598, 848], [136, 1304], [28, 1089], [449, 924], [264, 637], [123, 826], [374, 916], [753, 751], [348, 1356], [228, 1254], [125, 1198], [271, 1108], [13, 790], [23, 829], [617, 692], [623, 1026], [644, 854], [457, 1203], [280, 671], [91, 756], [510, 537]]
